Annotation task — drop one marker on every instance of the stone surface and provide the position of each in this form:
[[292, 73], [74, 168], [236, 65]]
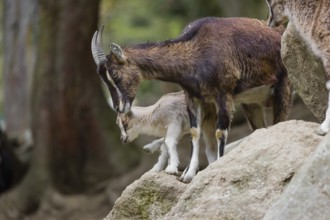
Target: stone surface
[[244, 184], [305, 71], [150, 197], [308, 194]]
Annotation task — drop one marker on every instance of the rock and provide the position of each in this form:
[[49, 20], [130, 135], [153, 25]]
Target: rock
[[308, 194], [244, 184], [305, 71], [150, 197]]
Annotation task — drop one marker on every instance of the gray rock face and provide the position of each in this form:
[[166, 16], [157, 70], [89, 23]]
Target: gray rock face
[[244, 184], [306, 72], [308, 194], [150, 197]]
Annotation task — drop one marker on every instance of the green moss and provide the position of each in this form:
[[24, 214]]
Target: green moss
[[148, 202], [153, 196]]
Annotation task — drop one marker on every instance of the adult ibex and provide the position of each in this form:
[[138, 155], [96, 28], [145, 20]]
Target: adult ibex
[[214, 60], [311, 18]]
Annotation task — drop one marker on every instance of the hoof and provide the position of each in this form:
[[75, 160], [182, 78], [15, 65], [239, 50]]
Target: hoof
[[171, 170], [148, 149], [155, 169], [321, 132], [185, 179]]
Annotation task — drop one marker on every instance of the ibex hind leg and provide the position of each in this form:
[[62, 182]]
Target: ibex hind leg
[[208, 129], [225, 107], [162, 159], [171, 141], [325, 126], [195, 112], [255, 115], [154, 146], [282, 98]]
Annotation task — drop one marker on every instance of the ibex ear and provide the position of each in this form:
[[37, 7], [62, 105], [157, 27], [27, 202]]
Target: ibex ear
[[118, 52]]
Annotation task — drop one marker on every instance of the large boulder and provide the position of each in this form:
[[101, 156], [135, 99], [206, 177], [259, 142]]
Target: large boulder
[[305, 71], [150, 197], [308, 194], [244, 184]]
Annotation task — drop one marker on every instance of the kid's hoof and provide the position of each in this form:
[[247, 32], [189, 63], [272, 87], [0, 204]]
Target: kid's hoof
[[185, 178], [156, 169], [148, 149], [171, 170], [321, 132]]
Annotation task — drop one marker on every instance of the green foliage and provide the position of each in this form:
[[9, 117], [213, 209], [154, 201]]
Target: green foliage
[[131, 21], [135, 21]]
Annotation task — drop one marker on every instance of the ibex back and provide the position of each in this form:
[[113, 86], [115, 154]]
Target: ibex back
[[213, 60]]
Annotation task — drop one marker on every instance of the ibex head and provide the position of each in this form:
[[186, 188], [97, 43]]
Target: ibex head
[[120, 75], [276, 14]]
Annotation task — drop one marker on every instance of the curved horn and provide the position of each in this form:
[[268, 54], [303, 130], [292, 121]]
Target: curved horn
[[100, 53], [97, 51], [94, 49]]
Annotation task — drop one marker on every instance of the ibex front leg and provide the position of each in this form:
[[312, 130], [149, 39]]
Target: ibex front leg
[[324, 128], [163, 157], [195, 116], [224, 112], [171, 140]]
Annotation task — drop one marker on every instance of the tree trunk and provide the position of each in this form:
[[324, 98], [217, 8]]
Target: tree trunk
[[68, 96], [19, 63], [73, 148]]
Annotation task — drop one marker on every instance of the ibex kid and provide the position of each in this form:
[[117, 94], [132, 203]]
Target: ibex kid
[[168, 119]]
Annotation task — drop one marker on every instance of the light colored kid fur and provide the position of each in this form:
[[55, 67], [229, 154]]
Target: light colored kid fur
[[168, 119]]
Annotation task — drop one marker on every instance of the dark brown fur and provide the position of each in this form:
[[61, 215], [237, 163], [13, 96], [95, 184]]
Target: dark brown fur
[[204, 60]]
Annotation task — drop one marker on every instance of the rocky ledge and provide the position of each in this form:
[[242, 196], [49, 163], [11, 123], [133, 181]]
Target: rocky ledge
[[282, 172]]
